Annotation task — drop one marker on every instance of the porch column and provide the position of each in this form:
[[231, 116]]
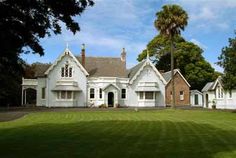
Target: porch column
[[25, 96], [22, 96]]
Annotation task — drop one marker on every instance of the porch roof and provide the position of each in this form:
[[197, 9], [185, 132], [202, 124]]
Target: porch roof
[[66, 88], [147, 89]]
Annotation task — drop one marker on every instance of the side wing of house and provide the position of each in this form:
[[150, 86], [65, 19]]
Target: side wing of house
[[215, 95], [182, 89], [66, 82], [146, 86], [224, 99]]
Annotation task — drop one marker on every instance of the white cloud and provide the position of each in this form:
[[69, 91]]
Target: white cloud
[[201, 45], [203, 14]]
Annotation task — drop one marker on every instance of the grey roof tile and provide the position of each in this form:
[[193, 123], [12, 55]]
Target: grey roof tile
[[208, 86], [131, 72], [104, 66], [167, 75]]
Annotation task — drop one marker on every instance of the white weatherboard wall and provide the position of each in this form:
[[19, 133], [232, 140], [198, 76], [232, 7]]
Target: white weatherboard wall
[[42, 82], [146, 75], [102, 82], [78, 76], [226, 102]]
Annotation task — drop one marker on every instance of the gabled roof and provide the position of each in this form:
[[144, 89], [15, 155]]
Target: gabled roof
[[212, 85], [66, 52], [110, 85], [167, 76], [40, 68], [218, 80], [208, 87], [104, 66], [136, 70], [195, 91]]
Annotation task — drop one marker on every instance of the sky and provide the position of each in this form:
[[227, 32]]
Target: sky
[[110, 25]]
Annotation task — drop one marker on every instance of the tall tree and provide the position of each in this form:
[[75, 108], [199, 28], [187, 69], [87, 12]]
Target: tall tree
[[187, 57], [227, 60], [170, 21], [22, 24]]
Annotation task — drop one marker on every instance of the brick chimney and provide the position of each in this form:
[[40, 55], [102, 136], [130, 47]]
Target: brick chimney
[[83, 55], [123, 55]]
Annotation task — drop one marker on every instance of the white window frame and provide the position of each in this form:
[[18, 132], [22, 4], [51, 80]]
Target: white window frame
[[220, 92], [43, 91], [144, 96], [64, 71], [94, 94], [181, 96], [66, 96], [100, 93], [125, 93]]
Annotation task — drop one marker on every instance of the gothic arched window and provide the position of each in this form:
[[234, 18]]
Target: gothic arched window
[[66, 71]]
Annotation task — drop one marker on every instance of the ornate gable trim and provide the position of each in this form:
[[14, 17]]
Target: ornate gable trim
[[66, 52]]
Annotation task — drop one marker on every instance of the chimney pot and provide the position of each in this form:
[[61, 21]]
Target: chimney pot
[[123, 55], [83, 55]]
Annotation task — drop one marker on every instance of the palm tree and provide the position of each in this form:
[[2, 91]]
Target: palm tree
[[170, 21]]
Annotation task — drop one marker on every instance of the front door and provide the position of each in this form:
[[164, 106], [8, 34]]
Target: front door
[[110, 99], [196, 99], [207, 100]]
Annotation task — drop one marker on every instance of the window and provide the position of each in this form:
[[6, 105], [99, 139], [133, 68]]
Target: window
[[66, 71], [43, 93], [62, 72], [69, 94], [220, 92], [181, 95], [70, 72], [65, 95], [92, 93], [230, 94], [148, 95], [171, 97], [100, 93], [123, 93], [141, 95]]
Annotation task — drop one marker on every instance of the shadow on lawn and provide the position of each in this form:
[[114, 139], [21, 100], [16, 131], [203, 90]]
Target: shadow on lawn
[[117, 139]]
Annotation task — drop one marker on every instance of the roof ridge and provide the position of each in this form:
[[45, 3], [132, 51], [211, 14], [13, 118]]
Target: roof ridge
[[98, 57]]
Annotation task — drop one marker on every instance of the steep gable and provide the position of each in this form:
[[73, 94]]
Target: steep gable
[[66, 52], [167, 76], [136, 71]]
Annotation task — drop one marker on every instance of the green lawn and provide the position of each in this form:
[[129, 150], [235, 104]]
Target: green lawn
[[125, 133]]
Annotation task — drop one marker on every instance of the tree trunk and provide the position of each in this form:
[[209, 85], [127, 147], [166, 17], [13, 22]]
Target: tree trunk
[[172, 73]]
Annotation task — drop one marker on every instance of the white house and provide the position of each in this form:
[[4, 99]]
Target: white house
[[196, 98], [80, 81], [214, 94]]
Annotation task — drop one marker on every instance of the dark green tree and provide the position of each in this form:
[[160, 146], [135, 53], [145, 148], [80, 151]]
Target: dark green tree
[[227, 60], [187, 57], [22, 24], [170, 21]]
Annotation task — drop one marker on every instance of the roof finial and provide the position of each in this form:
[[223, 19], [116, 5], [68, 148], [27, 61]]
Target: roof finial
[[147, 54], [83, 46]]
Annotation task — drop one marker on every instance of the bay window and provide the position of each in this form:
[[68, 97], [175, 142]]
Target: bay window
[[65, 95], [146, 95]]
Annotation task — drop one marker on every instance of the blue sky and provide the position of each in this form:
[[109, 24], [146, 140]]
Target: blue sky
[[110, 25]]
